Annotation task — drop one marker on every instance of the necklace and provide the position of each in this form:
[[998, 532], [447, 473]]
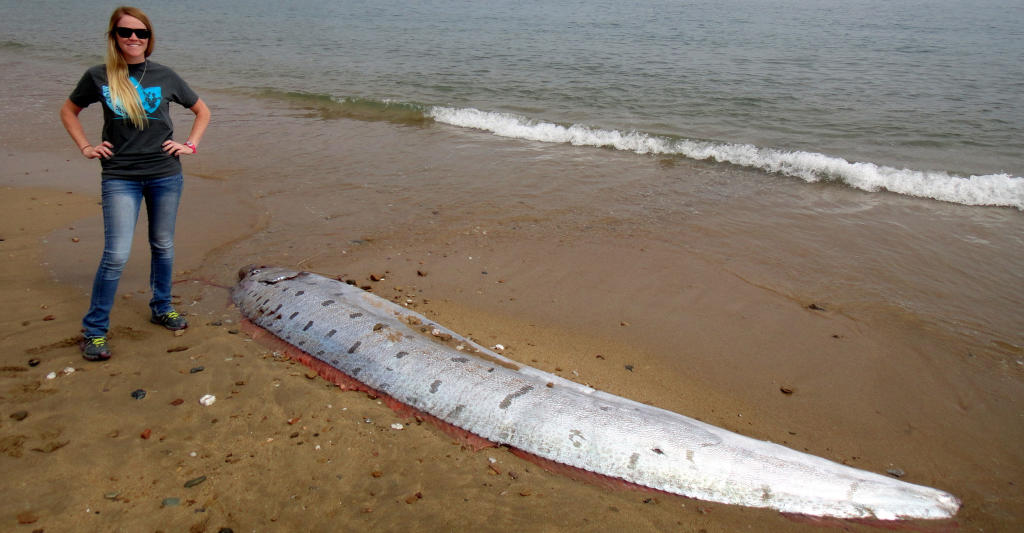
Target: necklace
[[145, 67]]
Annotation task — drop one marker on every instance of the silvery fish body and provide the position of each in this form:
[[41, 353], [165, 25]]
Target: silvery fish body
[[383, 345]]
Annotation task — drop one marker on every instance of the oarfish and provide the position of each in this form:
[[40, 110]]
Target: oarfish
[[405, 355]]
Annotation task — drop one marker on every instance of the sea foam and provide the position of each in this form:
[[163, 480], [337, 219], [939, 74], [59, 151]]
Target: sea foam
[[990, 189]]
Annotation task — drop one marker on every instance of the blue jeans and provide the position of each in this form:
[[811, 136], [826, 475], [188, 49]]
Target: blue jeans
[[121, 202]]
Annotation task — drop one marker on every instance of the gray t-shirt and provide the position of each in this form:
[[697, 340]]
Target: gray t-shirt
[[138, 154]]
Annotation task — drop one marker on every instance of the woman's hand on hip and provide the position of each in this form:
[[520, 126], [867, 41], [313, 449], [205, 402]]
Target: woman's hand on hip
[[176, 148], [104, 150]]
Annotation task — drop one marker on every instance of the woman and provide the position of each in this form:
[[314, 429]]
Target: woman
[[140, 162]]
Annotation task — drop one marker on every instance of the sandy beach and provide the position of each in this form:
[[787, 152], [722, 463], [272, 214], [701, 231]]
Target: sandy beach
[[282, 450]]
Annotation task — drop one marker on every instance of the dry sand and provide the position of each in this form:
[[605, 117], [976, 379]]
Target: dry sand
[[282, 450]]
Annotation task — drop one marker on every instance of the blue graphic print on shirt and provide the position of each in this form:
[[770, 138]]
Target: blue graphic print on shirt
[[150, 97]]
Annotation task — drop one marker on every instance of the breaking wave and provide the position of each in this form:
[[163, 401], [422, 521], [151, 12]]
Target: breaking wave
[[989, 190]]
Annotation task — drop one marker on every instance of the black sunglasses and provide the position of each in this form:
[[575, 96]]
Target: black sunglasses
[[125, 33]]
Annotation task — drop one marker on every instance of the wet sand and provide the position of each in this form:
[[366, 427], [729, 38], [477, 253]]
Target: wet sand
[[281, 449]]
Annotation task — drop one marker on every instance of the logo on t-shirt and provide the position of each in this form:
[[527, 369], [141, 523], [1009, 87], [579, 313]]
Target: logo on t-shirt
[[149, 96]]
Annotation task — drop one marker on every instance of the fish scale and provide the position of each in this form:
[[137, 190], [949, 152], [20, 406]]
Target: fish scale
[[380, 344]]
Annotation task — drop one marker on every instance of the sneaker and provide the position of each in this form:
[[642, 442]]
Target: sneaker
[[95, 349], [171, 320]]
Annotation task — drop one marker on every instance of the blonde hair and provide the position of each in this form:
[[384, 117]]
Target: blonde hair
[[122, 93]]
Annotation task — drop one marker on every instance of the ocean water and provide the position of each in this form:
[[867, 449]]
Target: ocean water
[[922, 98]]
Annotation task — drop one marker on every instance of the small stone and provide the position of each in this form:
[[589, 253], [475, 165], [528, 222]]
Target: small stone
[[170, 502], [75, 239], [233, 331], [138, 394], [180, 332], [194, 481], [225, 530], [195, 370], [629, 367], [207, 400], [146, 433], [376, 473], [112, 495], [48, 318], [412, 499], [33, 362], [786, 390], [19, 415], [397, 426], [177, 348], [216, 323], [421, 273], [27, 517], [895, 472], [177, 401], [815, 307], [376, 277]]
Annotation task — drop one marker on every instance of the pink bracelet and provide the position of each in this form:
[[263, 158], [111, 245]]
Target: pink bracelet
[[191, 145]]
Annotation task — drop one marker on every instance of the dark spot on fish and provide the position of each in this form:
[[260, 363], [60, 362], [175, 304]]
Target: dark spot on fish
[[302, 343], [657, 451], [332, 332], [460, 359], [278, 317], [325, 303], [356, 372], [384, 386], [605, 408], [633, 459], [490, 369], [508, 399], [378, 326], [354, 347], [400, 355], [308, 325], [355, 315], [284, 289], [300, 293], [334, 362], [457, 411], [434, 386], [278, 308], [295, 314], [321, 352]]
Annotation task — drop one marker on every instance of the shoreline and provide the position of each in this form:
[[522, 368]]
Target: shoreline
[[875, 391]]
